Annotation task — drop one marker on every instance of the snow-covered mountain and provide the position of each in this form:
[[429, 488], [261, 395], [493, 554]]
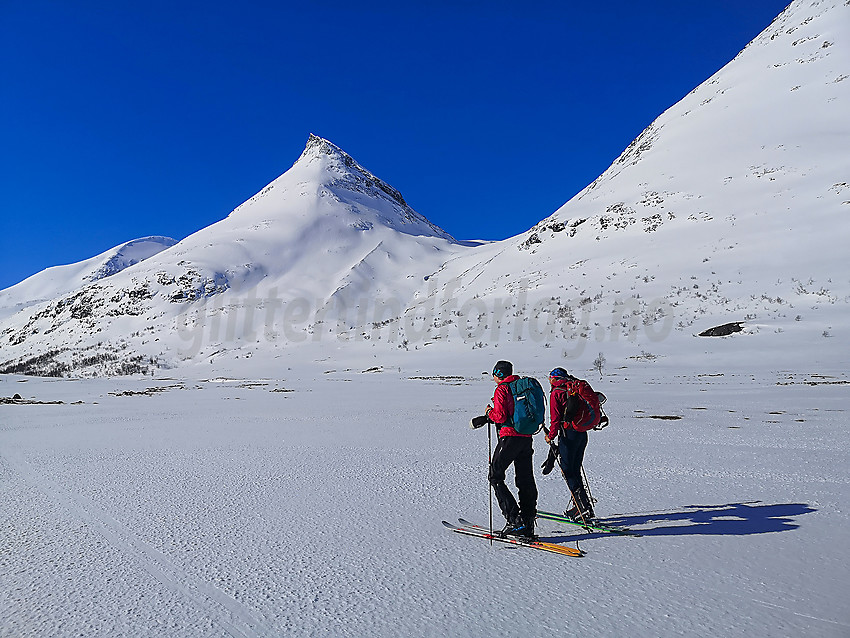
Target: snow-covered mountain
[[60, 280], [315, 243], [731, 208]]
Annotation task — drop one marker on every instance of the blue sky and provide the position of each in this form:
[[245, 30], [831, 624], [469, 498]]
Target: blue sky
[[121, 120]]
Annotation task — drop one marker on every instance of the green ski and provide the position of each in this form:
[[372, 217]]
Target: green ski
[[593, 525]]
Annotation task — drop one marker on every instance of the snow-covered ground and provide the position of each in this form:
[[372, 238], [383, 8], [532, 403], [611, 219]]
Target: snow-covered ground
[[309, 503]]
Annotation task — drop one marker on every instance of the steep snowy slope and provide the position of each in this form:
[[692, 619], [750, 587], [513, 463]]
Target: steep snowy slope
[[731, 207], [61, 280], [319, 241]]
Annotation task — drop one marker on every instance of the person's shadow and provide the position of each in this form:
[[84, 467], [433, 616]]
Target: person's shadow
[[735, 519]]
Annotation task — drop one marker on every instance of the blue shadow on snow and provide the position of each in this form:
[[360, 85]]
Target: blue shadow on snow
[[733, 519]]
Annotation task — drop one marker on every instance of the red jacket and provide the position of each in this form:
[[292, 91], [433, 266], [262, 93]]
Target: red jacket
[[503, 407]]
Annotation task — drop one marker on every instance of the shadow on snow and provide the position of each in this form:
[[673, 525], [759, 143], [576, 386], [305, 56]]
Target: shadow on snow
[[734, 519]]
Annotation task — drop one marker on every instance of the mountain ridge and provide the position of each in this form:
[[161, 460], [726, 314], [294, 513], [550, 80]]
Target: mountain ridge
[[730, 206], [63, 279]]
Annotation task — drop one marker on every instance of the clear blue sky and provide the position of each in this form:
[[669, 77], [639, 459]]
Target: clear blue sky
[[121, 120]]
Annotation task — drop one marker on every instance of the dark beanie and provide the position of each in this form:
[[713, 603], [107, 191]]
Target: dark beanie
[[503, 369]]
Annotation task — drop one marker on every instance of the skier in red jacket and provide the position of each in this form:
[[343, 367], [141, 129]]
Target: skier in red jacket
[[567, 414], [515, 448]]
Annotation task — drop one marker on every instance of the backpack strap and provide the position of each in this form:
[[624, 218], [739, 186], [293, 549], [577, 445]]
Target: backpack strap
[[567, 418], [512, 390]]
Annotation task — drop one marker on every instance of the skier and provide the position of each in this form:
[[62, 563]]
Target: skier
[[515, 448], [569, 418]]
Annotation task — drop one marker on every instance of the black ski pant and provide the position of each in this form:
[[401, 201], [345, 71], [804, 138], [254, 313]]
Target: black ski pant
[[517, 450], [571, 446]]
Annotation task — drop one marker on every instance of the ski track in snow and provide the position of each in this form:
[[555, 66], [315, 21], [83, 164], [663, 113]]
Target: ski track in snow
[[223, 508]]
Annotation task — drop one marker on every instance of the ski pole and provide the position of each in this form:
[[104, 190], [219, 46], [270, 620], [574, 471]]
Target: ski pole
[[490, 488], [587, 485], [573, 494]]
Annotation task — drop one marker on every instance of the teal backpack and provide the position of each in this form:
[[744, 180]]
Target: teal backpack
[[529, 405]]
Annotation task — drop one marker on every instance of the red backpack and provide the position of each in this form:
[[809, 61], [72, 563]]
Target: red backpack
[[590, 413]]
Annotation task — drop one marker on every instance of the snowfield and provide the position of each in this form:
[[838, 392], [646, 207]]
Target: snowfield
[[310, 505]]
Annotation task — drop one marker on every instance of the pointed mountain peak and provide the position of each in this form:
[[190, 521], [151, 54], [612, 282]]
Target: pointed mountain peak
[[338, 162], [318, 146], [321, 151], [338, 170]]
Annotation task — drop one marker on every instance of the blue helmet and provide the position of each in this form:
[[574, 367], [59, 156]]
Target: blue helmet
[[559, 373]]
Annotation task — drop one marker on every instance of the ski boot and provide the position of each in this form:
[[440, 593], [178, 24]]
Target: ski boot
[[583, 510], [521, 528]]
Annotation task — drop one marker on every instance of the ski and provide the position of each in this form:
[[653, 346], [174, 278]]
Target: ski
[[481, 532], [466, 523], [594, 525]]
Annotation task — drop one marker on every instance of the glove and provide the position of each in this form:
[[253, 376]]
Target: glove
[[549, 463], [478, 421]]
